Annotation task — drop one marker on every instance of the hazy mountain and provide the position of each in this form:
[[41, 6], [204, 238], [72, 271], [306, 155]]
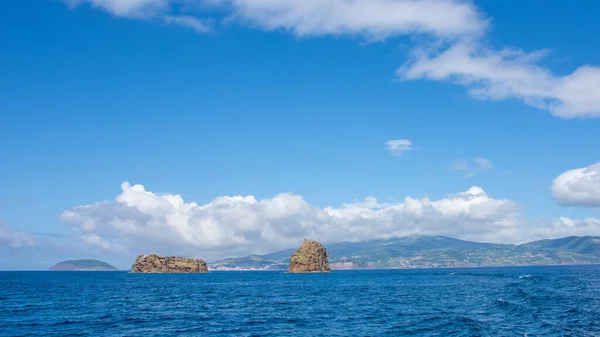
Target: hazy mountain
[[586, 245], [433, 252], [83, 265]]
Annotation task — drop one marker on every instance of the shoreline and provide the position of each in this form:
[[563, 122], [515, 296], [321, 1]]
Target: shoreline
[[333, 270]]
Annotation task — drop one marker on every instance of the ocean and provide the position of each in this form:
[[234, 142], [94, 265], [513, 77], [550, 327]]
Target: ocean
[[521, 301]]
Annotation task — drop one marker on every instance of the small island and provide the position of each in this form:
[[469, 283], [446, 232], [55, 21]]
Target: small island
[[311, 257], [83, 265], [155, 263]]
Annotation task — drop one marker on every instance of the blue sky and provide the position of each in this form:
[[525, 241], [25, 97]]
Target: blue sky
[[228, 99]]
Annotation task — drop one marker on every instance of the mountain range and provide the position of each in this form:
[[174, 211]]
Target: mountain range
[[433, 252]]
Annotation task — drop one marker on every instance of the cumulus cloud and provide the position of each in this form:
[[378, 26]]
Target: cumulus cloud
[[372, 18], [140, 221], [510, 73], [578, 187], [473, 167], [398, 147]]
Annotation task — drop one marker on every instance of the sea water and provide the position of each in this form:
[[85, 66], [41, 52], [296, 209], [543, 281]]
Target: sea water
[[529, 301]]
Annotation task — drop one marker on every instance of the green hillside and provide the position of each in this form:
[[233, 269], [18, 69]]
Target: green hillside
[[433, 252]]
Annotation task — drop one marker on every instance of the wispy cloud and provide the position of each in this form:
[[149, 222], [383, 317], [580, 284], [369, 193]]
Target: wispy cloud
[[398, 147], [473, 166], [189, 22], [461, 58], [372, 18], [12, 200], [14, 239], [509, 74]]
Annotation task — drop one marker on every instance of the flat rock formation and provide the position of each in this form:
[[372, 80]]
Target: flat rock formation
[[83, 265], [310, 257], [154, 263]]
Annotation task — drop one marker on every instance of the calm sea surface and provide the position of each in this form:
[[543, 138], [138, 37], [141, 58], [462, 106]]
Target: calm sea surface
[[532, 301]]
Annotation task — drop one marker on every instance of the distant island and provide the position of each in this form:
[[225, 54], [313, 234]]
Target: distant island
[[83, 265], [433, 252]]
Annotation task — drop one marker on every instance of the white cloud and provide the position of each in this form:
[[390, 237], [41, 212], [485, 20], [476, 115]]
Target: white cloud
[[487, 73], [159, 10], [127, 8], [139, 221], [14, 239], [397, 147], [472, 167], [510, 73], [563, 227], [372, 18], [189, 22], [578, 187]]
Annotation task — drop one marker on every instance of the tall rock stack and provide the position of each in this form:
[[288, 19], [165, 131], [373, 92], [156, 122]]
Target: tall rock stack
[[154, 263], [309, 258]]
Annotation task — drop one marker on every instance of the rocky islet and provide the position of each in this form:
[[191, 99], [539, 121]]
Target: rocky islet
[[154, 263], [311, 257]]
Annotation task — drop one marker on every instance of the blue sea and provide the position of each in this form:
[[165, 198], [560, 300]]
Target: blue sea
[[528, 301]]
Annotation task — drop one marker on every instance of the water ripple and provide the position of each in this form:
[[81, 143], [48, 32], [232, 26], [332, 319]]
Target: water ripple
[[548, 301]]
